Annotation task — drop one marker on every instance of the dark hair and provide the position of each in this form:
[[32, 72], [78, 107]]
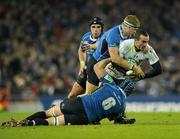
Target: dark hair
[[96, 20], [140, 32]]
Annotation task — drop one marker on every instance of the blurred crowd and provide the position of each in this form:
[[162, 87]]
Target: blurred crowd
[[39, 40]]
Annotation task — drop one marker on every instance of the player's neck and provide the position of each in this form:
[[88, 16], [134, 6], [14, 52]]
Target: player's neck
[[124, 34], [136, 49], [93, 38]]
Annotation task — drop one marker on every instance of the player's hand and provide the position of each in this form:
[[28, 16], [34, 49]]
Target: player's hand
[[86, 47], [138, 72]]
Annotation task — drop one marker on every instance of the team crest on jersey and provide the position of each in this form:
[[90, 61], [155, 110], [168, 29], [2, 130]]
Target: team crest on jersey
[[131, 60], [108, 78]]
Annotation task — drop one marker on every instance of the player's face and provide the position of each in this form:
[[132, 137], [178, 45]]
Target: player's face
[[96, 30], [142, 42], [129, 31]]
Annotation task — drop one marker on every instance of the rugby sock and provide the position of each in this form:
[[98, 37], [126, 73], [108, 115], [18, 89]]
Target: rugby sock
[[36, 115], [37, 122], [55, 121]]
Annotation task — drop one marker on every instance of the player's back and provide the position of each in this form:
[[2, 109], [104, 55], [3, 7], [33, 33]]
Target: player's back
[[102, 48], [105, 101]]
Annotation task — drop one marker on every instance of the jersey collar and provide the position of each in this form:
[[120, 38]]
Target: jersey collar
[[121, 33], [92, 38]]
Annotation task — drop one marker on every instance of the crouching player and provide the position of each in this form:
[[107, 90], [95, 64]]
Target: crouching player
[[106, 102]]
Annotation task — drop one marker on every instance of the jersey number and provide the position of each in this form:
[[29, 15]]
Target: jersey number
[[108, 103]]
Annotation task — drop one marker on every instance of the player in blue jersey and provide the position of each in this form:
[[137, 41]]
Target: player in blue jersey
[[136, 51], [87, 47], [108, 46], [106, 102]]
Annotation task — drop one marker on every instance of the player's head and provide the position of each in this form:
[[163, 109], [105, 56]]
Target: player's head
[[141, 39], [96, 26], [128, 86], [130, 24]]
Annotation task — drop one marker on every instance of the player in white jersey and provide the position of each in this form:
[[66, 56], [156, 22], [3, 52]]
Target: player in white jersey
[[134, 51], [136, 54]]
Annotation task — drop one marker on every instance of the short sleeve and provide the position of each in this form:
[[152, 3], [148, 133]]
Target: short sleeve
[[113, 39]]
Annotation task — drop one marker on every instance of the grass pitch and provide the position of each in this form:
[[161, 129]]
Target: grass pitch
[[148, 126]]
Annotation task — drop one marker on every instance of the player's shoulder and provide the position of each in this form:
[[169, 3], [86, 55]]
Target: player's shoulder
[[128, 42], [86, 35], [150, 49], [113, 30]]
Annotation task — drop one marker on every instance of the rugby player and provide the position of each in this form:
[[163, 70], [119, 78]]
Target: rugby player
[[87, 47], [106, 102], [108, 46], [135, 52]]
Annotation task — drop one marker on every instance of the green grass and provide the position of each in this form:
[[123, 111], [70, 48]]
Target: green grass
[[148, 126]]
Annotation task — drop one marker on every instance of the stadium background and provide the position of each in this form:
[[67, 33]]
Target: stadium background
[[39, 42]]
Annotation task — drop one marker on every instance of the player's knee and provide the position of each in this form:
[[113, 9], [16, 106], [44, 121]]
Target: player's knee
[[56, 121], [76, 90], [53, 111]]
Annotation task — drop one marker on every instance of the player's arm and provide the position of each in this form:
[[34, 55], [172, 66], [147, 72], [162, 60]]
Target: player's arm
[[153, 64], [150, 70], [82, 56], [117, 59], [156, 70], [113, 48], [99, 68], [93, 46]]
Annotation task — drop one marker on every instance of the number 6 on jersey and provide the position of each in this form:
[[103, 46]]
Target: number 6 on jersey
[[108, 103]]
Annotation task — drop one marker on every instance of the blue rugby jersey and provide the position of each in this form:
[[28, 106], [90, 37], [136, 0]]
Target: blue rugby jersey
[[106, 101], [87, 39], [111, 38]]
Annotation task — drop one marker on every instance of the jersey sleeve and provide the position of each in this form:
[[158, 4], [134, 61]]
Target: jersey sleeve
[[152, 56], [125, 47], [113, 39], [84, 40]]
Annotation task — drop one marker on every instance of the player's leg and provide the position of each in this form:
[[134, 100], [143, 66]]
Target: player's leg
[[51, 112], [79, 86], [56, 120], [92, 79], [54, 111], [70, 111], [90, 87], [48, 117], [67, 119], [76, 90]]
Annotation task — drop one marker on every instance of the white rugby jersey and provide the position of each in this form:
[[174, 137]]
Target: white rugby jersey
[[128, 52]]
